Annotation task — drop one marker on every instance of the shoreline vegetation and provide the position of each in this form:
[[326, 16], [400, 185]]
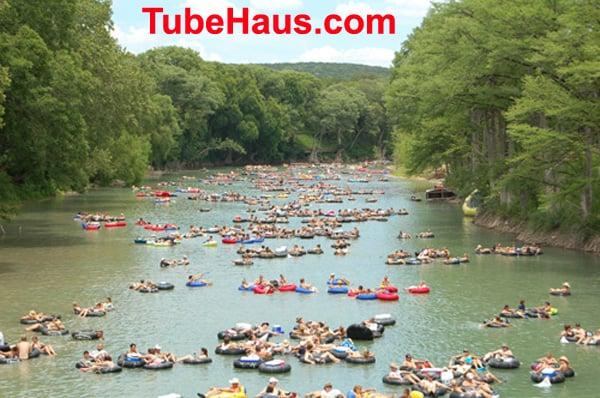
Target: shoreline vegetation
[[502, 98]]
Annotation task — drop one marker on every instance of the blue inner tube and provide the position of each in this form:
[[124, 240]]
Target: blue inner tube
[[195, 284], [130, 362], [268, 368], [246, 289], [304, 291], [338, 290], [247, 364], [366, 296]]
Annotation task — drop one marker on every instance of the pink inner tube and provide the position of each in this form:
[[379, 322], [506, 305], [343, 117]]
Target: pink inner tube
[[391, 289], [418, 290], [288, 288], [352, 294], [387, 296], [262, 290]]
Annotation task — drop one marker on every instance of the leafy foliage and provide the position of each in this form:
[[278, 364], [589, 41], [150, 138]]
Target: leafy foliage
[[504, 97]]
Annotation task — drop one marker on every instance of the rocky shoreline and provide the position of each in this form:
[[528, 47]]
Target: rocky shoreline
[[545, 238]]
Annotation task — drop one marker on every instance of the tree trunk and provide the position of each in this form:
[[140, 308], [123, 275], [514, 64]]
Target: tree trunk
[[586, 194]]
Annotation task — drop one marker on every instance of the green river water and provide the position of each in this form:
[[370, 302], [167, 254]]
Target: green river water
[[47, 261]]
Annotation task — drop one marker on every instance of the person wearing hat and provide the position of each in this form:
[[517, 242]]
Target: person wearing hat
[[564, 365], [272, 390], [234, 388], [398, 375], [564, 290]]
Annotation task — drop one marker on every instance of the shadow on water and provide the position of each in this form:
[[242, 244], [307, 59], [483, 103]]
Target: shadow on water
[[58, 240]]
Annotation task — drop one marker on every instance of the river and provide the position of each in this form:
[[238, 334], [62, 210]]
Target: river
[[47, 261]]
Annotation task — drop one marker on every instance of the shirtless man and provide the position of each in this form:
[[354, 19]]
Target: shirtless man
[[24, 348], [503, 353]]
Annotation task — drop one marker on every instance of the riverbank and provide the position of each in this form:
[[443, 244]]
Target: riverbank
[[524, 233]]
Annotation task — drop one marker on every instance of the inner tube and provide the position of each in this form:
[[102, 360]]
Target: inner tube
[[276, 366], [35, 353], [337, 282], [196, 361], [318, 359], [85, 335], [195, 284], [384, 319], [262, 290], [8, 361], [558, 377], [504, 363], [247, 363], [340, 352], [418, 289], [246, 289], [455, 394], [111, 369], [395, 382], [360, 360], [438, 393], [237, 336], [558, 293], [93, 313], [391, 289], [337, 290], [128, 362], [302, 290], [165, 286], [366, 296], [160, 366], [359, 332], [412, 261], [44, 330], [81, 365], [569, 373], [47, 318], [387, 296], [230, 351], [148, 290], [290, 287]]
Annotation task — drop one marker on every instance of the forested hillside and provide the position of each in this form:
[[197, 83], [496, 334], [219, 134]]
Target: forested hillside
[[77, 109], [506, 97], [337, 71]]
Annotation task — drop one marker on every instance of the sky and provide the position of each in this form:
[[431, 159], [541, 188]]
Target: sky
[[132, 31]]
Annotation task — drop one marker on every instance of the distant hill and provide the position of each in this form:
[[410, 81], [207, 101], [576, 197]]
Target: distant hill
[[333, 70]]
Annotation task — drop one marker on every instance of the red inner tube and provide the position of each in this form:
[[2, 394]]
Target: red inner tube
[[387, 296], [115, 224], [418, 290], [288, 288], [229, 241], [262, 290], [391, 289]]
